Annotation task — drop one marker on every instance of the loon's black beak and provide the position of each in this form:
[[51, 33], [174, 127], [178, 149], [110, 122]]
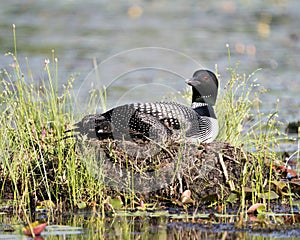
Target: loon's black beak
[[190, 81]]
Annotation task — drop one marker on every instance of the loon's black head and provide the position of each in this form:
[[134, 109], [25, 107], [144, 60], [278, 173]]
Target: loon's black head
[[205, 87]]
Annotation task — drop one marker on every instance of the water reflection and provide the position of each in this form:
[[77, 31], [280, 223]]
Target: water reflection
[[145, 225]]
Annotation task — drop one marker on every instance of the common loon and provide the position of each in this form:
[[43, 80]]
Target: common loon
[[161, 120]]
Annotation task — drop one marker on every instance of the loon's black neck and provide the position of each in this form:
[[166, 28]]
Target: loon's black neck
[[203, 109]]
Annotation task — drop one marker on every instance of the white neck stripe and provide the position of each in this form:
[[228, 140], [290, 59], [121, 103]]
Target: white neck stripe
[[198, 104]]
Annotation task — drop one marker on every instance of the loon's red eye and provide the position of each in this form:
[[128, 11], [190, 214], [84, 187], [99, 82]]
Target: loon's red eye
[[206, 78]]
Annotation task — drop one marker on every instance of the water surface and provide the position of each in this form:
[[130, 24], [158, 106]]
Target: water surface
[[261, 35]]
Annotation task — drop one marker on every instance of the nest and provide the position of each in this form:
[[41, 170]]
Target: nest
[[165, 172]]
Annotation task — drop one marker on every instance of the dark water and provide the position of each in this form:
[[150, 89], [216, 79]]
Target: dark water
[[151, 225]]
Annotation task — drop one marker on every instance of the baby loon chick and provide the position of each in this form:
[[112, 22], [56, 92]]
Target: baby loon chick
[[159, 121]]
